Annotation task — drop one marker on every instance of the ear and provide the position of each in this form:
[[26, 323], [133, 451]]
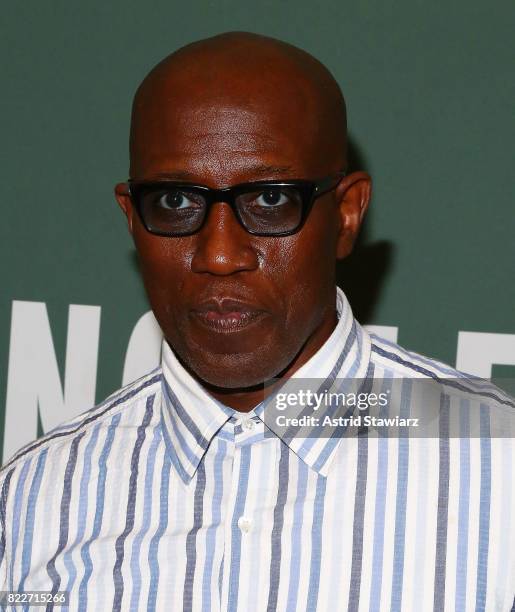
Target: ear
[[353, 196], [121, 193]]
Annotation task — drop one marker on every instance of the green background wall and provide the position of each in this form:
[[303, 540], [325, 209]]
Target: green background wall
[[430, 94]]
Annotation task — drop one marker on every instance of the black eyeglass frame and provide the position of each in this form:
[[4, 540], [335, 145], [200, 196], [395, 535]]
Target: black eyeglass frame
[[309, 191]]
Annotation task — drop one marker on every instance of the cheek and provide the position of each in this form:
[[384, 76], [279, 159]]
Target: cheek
[[164, 264], [311, 253], [303, 265], [158, 252]]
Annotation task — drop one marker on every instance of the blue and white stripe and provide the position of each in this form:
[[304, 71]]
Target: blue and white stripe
[[161, 498]]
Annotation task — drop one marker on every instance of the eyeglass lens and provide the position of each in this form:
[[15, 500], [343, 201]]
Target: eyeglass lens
[[268, 211]]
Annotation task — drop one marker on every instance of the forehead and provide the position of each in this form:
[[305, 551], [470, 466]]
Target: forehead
[[220, 138]]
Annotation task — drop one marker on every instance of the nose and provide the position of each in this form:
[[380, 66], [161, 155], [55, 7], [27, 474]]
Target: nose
[[223, 245]]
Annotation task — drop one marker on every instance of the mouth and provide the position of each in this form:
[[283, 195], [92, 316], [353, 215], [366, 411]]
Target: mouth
[[227, 315]]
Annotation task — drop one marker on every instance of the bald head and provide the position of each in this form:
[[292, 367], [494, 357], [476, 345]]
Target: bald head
[[242, 95]]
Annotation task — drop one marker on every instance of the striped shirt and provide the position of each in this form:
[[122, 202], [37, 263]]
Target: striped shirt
[[162, 498]]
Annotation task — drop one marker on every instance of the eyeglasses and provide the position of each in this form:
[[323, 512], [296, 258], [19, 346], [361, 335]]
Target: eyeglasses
[[263, 208]]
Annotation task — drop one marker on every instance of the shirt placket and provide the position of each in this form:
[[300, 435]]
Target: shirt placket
[[242, 528]]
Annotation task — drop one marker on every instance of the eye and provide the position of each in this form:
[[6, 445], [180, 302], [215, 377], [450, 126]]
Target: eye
[[176, 200], [272, 197]]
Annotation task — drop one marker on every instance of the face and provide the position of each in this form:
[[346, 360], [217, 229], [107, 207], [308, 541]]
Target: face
[[240, 309]]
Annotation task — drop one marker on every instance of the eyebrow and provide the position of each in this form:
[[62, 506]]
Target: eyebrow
[[263, 170], [268, 170]]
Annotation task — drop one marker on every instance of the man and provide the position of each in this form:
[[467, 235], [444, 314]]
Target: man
[[175, 494]]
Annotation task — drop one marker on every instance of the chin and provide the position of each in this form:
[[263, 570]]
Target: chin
[[241, 378], [235, 371]]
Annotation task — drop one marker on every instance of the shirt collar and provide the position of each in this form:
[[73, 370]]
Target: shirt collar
[[191, 417]]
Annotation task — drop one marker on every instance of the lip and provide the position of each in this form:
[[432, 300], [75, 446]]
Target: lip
[[227, 315]]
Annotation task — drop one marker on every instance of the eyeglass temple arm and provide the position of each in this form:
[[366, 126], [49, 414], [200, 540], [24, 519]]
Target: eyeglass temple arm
[[330, 182]]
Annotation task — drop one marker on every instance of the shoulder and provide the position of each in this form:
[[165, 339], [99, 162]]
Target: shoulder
[[128, 401], [394, 357], [392, 360]]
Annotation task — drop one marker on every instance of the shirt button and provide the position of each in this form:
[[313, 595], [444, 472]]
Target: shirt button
[[248, 424], [244, 524]]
